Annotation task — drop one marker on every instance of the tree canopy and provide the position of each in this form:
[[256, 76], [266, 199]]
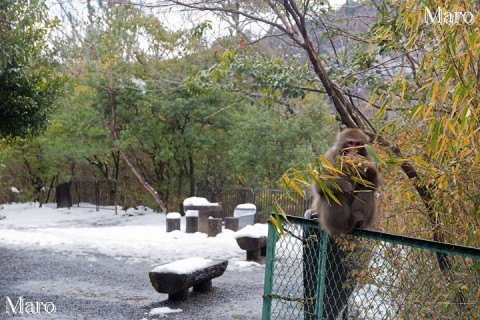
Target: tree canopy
[[29, 83], [134, 114]]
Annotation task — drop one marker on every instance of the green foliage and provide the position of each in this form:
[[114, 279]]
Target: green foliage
[[270, 143], [28, 84], [177, 139], [199, 30], [236, 70]]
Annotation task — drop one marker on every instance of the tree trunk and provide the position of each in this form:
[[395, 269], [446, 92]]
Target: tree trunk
[[116, 165], [350, 115], [142, 181], [136, 172], [191, 173], [50, 188]]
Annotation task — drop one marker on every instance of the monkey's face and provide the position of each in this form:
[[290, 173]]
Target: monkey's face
[[354, 148]]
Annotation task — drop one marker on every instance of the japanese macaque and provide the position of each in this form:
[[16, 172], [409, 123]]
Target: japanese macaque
[[355, 188]]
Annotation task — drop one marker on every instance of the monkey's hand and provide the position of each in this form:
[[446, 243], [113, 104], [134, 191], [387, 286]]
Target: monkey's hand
[[336, 186], [371, 174], [367, 178], [344, 185]]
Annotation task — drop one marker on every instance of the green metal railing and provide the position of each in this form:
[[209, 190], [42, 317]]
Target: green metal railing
[[367, 275]]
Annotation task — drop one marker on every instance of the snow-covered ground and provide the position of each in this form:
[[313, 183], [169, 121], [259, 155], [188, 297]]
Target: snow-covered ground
[[137, 235]]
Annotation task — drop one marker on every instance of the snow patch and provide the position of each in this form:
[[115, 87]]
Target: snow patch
[[137, 237], [247, 264], [184, 266], [174, 215], [249, 206], [198, 201], [258, 230], [191, 213], [162, 311]]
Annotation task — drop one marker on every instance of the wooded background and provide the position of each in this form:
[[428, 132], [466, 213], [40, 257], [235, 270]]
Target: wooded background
[[240, 93]]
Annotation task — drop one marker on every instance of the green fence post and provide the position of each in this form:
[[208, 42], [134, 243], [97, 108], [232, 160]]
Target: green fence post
[[269, 270], [321, 274], [311, 259]]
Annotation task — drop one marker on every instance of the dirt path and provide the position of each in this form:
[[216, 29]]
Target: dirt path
[[101, 287]]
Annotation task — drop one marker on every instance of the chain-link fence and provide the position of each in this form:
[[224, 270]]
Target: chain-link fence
[[367, 275]]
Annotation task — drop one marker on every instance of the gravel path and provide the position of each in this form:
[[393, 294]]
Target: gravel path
[[101, 287]]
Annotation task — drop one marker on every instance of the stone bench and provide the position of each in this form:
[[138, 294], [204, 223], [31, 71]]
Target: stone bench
[[253, 239], [204, 212], [177, 277], [254, 247]]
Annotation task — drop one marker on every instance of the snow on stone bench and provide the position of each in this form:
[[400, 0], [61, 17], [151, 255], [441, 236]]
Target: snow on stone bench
[[177, 277], [173, 221], [205, 210], [245, 213], [253, 239]]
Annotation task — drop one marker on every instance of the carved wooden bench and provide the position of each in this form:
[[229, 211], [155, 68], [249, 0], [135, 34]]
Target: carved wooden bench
[[177, 277]]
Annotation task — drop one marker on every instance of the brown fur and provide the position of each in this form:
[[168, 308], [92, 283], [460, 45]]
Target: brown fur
[[357, 206]]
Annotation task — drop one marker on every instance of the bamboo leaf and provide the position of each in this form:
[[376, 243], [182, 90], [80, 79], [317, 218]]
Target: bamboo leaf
[[327, 165], [374, 154], [327, 190], [276, 219], [276, 222], [421, 161]]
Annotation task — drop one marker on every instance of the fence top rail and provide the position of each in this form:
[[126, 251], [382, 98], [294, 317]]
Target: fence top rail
[[233, 188], [248, 189], [401, 240], [94, 180], [86, 180], [270, 189]]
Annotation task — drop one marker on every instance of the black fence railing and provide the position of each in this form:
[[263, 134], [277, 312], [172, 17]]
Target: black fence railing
[[102, 194], [98, 194], [263, 198]]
